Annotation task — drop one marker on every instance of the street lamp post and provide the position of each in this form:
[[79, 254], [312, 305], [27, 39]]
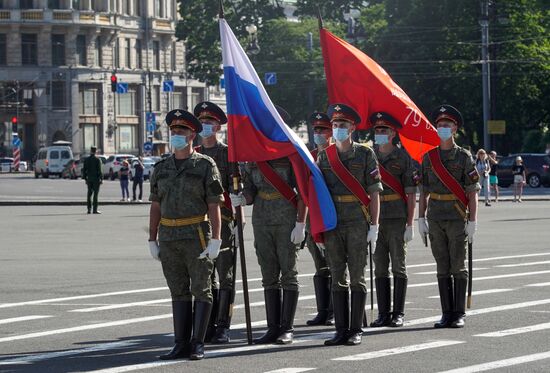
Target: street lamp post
[[253, 47], [484, 22]]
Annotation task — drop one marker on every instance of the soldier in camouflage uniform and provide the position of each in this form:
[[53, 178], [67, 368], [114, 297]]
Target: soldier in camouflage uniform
[[396, 220], [186, 192], [347, 244], [322, 133], [212, 117], [278, 227], [448, 221]]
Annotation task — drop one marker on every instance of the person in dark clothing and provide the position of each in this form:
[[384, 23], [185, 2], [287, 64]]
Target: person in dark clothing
[[92, 175], [138, 179], [124, 172]]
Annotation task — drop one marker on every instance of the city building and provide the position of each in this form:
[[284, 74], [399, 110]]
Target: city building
[[57, 59]]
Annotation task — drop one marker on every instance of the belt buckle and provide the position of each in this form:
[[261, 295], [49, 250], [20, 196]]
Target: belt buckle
[[174, 222]]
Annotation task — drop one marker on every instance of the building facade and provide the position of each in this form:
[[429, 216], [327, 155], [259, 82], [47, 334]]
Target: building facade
[[56, 62]]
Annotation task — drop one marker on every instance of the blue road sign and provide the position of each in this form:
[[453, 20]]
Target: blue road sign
[[270, 78], [122, 88], [147, 146], [16, 141], [151, 121], [168, 86]]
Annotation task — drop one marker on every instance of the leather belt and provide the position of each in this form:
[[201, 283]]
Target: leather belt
[[269, 196], [180, 222], [389, 197], [345, 198], [443, 197]]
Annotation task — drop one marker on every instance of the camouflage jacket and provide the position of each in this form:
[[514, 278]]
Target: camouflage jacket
[[185, 192], [219, 154], [459, 162]]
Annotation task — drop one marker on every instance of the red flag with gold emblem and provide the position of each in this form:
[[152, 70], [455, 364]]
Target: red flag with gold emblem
[[353, 78]]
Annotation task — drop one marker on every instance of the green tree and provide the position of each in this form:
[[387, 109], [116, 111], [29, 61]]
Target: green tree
[[198, 28], [330, 10]]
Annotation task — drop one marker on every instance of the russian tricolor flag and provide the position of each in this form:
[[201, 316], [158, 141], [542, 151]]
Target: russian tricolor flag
[[256, 131]]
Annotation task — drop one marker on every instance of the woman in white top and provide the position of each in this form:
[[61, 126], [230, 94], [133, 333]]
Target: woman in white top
[[483, 168]]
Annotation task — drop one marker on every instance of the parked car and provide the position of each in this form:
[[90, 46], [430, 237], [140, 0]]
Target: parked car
[[6, 164], [80, 165], [70, 171], [113, 164], [51, 160], [537, 169], [148, 164]]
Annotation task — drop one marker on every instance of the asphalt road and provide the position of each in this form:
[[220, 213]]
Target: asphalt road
[[80, 293]]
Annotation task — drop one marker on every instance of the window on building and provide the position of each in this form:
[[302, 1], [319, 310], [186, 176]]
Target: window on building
[[54, 4], [155, 98], [3, 49], [137, 8], [28, 49], [26, 4], [156, 55], [98, 58], [128, 53], [137, 46], [81, 55], [126, 103], [89, 100], [160, 9], [179, 99], [127, 138], [173, 56], [116, 54], [58, 49], [58, 95], [90, 135]]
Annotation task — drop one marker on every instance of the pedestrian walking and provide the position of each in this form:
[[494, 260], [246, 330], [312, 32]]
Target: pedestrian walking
[[322, 135], [483, 167], [493, 177], [93, 177], [449, 196], [123, 174], [212, 117], [518, 171], [278, 221], [186, 192], [397, 206], [353, 179], [138, 179]]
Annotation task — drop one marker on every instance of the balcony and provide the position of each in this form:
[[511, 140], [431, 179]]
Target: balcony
[[65, 16]]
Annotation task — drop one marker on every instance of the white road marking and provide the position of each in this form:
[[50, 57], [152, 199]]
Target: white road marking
[[539, 284], [53, 355], [23, 318], [522, 264], [480, 292], [510, 257], [501, 363], [262, 303], [398, 350], [291, 370], [123, 305], [435, 272], [507, 332]]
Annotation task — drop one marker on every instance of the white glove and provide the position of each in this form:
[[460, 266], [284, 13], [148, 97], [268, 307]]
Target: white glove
[[372, 236], [298, 233], [237, 199], [154, 249], [471, 227], [212, 250], [409, 234], [423, 229]]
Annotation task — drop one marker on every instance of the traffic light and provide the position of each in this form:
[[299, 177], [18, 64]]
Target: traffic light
[[14, 124], [114, 81]]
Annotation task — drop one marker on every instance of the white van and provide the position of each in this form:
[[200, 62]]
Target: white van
[[51, 160]]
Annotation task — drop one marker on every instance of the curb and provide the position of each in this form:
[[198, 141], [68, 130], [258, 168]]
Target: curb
[[69, 203]]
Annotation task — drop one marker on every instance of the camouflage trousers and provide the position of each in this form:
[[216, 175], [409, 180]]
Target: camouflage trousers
[[448, 242], [391, 245], [224, 262], [347, 247], [277, 256], [187, 276], [319, 258]]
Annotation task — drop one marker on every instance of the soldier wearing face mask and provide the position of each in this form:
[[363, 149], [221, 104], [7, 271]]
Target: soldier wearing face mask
[[449, 195], [353, 179], [212, 118], [397, 205]]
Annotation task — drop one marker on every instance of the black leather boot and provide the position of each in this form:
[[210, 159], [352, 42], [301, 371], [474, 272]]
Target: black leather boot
[[383, 298], [340, 301], [273, 314], [358, 300], [290, 301], [446, 297], [399, 294], [223, 319], [460, 285], [182, 312], [330, 316], [201, 317], [211, 330], [322, 296]]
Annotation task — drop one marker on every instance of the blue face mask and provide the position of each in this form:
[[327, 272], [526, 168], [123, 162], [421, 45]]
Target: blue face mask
[[340, 134], [380, 139], [207, 130], [178, 142], [444, 133], [319, 139]]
